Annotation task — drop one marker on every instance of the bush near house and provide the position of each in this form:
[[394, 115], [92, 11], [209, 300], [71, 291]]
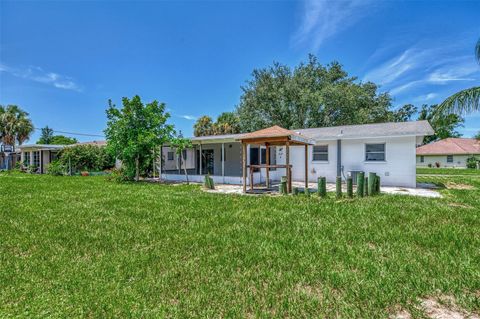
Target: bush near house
[[473, 162], [85, 158]]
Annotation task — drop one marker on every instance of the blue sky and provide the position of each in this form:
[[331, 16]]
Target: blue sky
[[62, 61]]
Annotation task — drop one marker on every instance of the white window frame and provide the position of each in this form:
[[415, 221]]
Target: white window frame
[[384, 153], [320, 153]]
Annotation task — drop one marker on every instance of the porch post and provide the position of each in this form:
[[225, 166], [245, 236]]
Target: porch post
[[31, 159], [200, 159], [306, 167], [223, 162], [41, 161], [339, 157], [244, 166], [287, 162], [22, 158], [267, 173]]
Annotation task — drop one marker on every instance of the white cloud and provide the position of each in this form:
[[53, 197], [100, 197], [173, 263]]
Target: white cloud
[[37, 74], [188, 117], [415, 67], [322, 19]]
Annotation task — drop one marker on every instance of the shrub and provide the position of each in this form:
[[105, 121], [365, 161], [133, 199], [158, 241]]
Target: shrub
[[56, 168], [86, 158], [473, 162], [429, 165], [32, 169], [437, 164], [118, 175]]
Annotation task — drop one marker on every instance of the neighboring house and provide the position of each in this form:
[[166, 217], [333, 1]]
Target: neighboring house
[[387, 149], [41, 155], [449, 152]]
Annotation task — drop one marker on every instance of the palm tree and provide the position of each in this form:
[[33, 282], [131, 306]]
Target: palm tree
[[465, 101], [15, 126]]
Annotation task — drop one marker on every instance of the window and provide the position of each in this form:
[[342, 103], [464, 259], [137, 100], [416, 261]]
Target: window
[[170, 156], [320, 153], [375, 152], [36, 159], [264, 156], [422, 159], [449, 158], [26, 158]]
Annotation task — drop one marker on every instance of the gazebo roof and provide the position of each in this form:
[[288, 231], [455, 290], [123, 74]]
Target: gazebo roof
[[275, 135]]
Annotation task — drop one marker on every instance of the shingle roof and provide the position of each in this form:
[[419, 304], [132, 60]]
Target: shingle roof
[[450, 146], [97, 143], [417, 128]]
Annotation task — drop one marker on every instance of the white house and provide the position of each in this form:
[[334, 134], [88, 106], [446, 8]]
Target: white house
[[388, 149]]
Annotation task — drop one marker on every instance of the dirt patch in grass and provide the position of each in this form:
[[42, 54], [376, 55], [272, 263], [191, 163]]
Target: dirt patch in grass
[[310, 291], [455, 205], [453, 185], [443, 307]]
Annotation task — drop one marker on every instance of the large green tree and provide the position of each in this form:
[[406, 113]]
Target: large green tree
[[444, 125], [466, 101], [309, 95], [134, 130], [15, 125]]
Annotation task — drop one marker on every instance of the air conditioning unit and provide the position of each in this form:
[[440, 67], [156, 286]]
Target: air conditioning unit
[[353, 175]]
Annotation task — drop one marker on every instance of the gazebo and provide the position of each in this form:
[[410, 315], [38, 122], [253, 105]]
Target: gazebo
[[273, 136]]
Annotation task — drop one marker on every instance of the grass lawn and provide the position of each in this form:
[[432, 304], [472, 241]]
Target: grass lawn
[[83, 246], [448, 171]]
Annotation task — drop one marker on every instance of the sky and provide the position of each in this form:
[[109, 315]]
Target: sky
[[62, 60]]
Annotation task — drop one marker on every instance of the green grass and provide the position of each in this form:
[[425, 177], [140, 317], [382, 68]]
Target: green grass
[[86, 247], [447, 171]]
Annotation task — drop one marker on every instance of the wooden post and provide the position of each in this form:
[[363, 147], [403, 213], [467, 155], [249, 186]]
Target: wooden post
[[267, 173], [289, 173], [306, 168], [244, 166]]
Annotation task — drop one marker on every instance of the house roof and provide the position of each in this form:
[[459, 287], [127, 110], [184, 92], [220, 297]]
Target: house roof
[[41, 147], [276, 133], [96, 143], [450, 146], [416, 128]]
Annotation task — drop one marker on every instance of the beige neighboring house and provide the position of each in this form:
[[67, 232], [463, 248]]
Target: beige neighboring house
[[449, 152], [41, 155]]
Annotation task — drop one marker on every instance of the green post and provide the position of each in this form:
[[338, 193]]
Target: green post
[[350, 187], [322, 187], [283, 185], [377, 184], [365, 191], [360, 184], [295, 191], [371, 183], [338, 187]]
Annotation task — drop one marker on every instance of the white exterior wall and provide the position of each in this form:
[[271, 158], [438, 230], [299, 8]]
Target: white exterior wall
[[459, 161], [399, 169]]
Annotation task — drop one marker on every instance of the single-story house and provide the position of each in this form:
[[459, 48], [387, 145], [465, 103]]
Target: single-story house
[[449, 152], [41, 155], [387, 149]]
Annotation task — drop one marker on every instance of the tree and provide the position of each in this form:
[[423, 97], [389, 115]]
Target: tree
[[46, 136], [404, 114], [477, 136], [63, 140], [227, 123], [15, 126], [444, 125], [134, 130], [309, 95], [181, 145], [465, 101], [203, 126]]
